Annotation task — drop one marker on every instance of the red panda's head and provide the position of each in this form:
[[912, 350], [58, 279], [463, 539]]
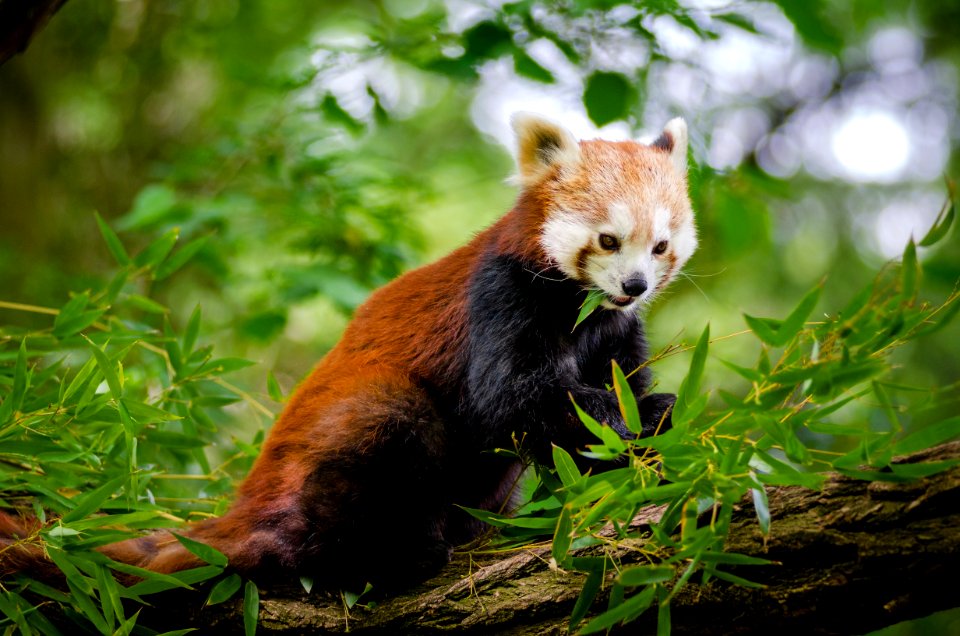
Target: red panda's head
[[616, 215]]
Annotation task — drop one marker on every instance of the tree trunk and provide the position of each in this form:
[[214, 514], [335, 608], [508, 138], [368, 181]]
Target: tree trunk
[[852, 558], [20, 20]]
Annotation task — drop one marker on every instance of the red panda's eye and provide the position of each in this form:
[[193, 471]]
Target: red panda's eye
[[660, 247], [609, 242]]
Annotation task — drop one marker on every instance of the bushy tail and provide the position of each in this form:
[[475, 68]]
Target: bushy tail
[[21, 550]]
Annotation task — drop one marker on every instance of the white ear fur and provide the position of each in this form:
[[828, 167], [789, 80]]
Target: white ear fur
[[674, 140], [541, 144]]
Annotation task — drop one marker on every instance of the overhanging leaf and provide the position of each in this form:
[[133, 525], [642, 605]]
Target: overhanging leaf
[[607, 97], [590, 304], [940, 226]]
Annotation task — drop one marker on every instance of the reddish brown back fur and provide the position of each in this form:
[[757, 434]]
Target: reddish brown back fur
[[354, 443]]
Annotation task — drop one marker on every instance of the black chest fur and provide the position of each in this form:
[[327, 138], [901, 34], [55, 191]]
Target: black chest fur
[[525, 359]]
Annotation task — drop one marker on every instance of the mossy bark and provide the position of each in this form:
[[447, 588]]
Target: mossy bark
[[853, 557]]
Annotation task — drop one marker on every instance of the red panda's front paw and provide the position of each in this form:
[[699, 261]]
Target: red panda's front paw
[[655, 412]]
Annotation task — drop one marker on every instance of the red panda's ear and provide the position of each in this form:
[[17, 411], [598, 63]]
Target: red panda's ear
[[541, 144], [673, 139]]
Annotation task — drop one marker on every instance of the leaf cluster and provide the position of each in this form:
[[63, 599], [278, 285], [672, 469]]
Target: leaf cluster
[[783, 430], [107, 416]]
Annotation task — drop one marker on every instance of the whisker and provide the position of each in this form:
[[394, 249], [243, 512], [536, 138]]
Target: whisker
[[540, 275], [688, 275], [694, 283]]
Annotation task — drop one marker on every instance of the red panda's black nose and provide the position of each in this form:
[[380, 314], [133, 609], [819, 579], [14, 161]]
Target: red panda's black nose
[[634, 286]]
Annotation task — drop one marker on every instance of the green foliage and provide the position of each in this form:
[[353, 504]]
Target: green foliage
[[105, 413], [607, 97], [774, 434], [210, 134]]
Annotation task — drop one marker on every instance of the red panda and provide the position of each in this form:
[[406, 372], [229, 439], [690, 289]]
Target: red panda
[[360, 477]]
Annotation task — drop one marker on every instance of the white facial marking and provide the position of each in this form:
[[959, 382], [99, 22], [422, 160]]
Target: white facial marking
[[567, 233], [685, 241], [661, 225], [564, 235], [621, 221], [609, 270]]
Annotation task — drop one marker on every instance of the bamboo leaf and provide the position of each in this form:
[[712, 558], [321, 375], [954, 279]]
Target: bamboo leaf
[[306, 583], [180, 258], [84, 603], [928, 436], [734, 558], [11, 608], [566, 468], [184, 579], [190, 334], [153, 254], [113, 241], [733, 578], [626, 400], [589, 591], [78, 381], [689, 402], [108, 368], [923, 469], [351, 598], [205, 552], [273, 388], [590, 304], [793, 323], [940, 226], [146, 304], [763, 329], [109, 596], [251, 608], [486, 516], [74, 316], [663, 613], [762, 506], [14, 401], [645, 575], [92, 501], [633, 606], [563, 536], [748, 374], [126, 627], [224, 589], [909, 272]]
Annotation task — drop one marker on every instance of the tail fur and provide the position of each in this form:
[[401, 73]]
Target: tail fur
[[22, 551]]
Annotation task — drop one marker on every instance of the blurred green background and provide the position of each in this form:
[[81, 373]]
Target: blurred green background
[[311, 151]]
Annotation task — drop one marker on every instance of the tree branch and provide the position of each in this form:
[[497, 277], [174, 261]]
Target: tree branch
[[853, 557], [20, 20]]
